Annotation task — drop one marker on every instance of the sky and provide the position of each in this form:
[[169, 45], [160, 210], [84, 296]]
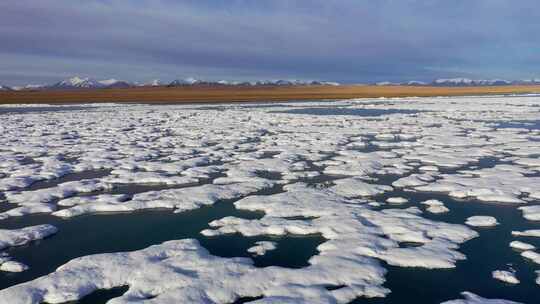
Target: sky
[[349, 41]]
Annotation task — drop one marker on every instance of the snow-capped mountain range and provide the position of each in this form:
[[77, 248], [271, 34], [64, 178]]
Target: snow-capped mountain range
[[462, 82], [89, 83], [470, 82], [4, 88]]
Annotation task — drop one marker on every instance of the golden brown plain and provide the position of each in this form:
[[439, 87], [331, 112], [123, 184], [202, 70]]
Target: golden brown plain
[[212, 94]]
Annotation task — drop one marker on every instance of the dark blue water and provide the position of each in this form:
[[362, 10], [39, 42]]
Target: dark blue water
[[486, 253], [102, 233], [523, 124], [347, 111], [37, 109], [138, 230]]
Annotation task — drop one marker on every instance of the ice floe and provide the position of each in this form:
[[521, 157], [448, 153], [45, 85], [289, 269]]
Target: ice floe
[[532, 256], [481, 221], [396, 200], [13, 266], [28, 209], [61, 191], [471, 298], [311, 174], [180, 200], [262, 247], [435, 206], [183, 271], [496, 184], [530, 232], [532, 213], [19, 237], [521, 245], [505, 276], [351, 228], [351, 187]]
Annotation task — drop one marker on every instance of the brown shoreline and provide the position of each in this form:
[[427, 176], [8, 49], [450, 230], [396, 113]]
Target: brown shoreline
[[219, 94]]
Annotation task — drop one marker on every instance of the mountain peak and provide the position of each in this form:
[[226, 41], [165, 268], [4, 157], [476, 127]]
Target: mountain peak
[[77, 82], [4, 88]]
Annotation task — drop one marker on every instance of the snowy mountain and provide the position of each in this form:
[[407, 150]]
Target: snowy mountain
[[152, 83], [30, 87], [115, 84], [4, 88], [528, 81], [77, 83], [460, 82], [416, 83], [280, 82], [88, 83], [386, 83], [186, 82]]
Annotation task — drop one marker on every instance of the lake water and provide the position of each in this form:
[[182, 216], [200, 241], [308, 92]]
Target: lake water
[[106, 233]]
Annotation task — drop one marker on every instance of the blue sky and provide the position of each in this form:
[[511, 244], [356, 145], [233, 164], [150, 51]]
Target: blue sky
[[347, 41]]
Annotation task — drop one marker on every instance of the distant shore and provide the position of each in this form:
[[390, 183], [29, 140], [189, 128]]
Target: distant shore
[[226, 94]]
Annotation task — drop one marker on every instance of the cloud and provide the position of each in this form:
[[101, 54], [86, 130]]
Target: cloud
[[349, 40]]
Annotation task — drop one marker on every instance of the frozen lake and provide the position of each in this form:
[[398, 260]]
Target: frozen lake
[[357, 201]]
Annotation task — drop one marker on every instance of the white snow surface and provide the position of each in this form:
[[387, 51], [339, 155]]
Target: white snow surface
[[521, 245], [532, 256], [19, 237], [351, 228], [481, 221], [530, 232], [262, 247], [435, 206], [13, 266], [187, 273], [532, 213], [505, 276]]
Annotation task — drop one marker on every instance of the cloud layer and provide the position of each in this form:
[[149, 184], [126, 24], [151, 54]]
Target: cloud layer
[[348, 40]]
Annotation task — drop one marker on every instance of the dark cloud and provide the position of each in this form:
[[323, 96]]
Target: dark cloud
[[348, 40]]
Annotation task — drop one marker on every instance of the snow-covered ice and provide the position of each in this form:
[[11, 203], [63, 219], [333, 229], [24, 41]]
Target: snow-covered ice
[[19, 237], [183, 271], [471, 298], [13, 266], [532, 213], [262, 247], [521, 245], [435, 206], [351, 187], [530, 232], [532, 256], [397, 200], [350, 228], [505, 276], [481, 221]]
